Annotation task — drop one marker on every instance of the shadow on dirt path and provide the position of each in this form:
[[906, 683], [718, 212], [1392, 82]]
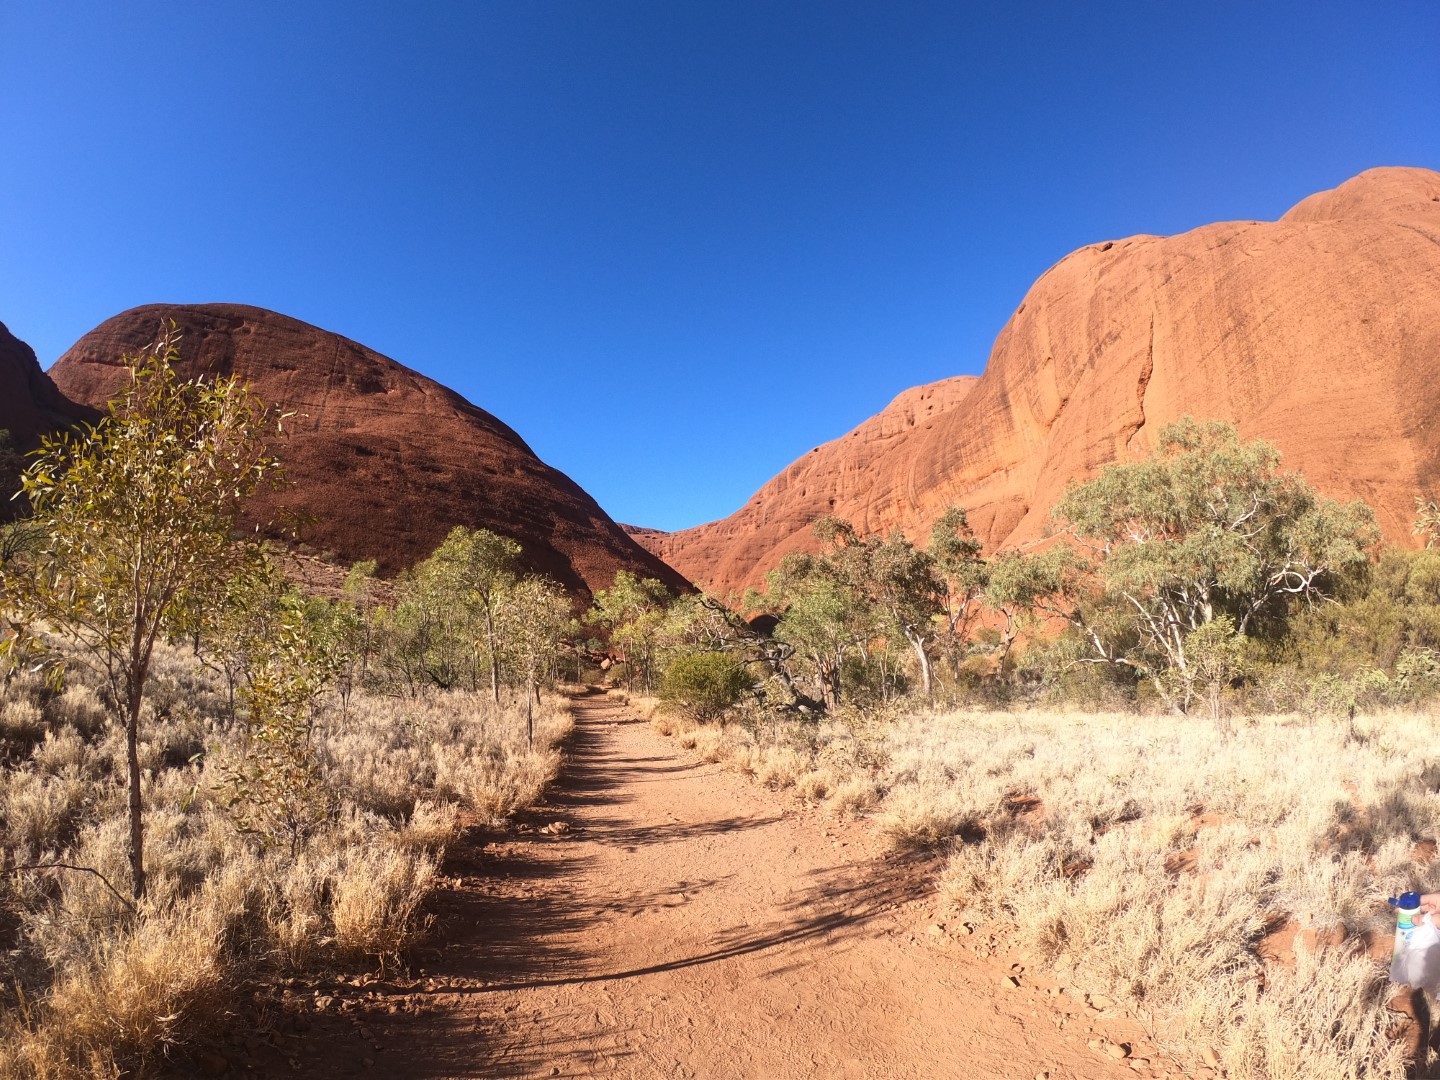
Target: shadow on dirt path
[[659, 917]]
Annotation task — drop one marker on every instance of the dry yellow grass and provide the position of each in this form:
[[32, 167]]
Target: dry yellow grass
[[92, 989], [1146, 858], [1164, 849]]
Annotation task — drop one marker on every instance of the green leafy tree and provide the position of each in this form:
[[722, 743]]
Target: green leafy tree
[[1026, 589], [634, 611], [432, 634], [138, 516], [955, 551], [360, 591], [241, 623], [862, 592], [821, 615], [474, 568], [1209, 525], [295, 651], [904, 584], [705, 684], [533, 618], [895, 590], [708, 624], [1216, 657], [1383, 619]]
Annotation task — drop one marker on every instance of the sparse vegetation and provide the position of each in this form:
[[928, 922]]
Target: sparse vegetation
[[301, 764], [1225, 878], [1152, 860], [107, 986], [174, 709]]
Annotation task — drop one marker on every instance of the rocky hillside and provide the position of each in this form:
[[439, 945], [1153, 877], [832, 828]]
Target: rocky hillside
[[382, 460], [30, 403], [859, 476], [1319, 332]]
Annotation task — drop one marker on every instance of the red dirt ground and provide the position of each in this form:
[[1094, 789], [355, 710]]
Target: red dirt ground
[[661, 917]]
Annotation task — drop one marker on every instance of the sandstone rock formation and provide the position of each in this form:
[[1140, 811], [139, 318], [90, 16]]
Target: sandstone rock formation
[[30, 403], [1319, 332], [30, 406], [383, 460]]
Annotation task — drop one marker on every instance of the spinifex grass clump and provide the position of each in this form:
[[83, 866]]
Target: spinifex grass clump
[[1149, 857], [96, 983]]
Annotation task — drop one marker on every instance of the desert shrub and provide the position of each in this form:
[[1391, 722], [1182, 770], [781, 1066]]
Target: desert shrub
[[1386, 618], [1160, 854], [922, 816], [94, 988], [704, 685]]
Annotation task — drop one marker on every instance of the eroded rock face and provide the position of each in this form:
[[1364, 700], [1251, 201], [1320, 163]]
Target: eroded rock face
[[862, 476], [384, 460], [1319, 332], [30, 403], [30, 406]]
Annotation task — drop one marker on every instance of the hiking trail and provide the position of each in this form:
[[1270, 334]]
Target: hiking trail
[[659, 916]]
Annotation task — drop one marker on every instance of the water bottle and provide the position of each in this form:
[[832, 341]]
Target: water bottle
[[1415, 961]]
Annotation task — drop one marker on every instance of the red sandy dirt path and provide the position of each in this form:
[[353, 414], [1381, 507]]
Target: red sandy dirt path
[[682, 922]]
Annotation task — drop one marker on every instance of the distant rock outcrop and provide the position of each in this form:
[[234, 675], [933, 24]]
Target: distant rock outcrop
[[1319, 332], [863, 476], [383, 460], [30, 403], [30, 406]]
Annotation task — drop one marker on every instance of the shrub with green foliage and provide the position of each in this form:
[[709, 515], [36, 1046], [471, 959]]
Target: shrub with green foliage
[[704, 685], [633, 612], [136, 517], [1208, 526]]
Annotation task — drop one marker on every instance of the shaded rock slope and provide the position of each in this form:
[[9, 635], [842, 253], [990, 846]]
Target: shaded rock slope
[[382, 461], [1319, 332], [31, 404]]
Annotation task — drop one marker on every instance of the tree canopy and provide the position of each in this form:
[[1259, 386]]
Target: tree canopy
[[135, 521], [1208, 526]]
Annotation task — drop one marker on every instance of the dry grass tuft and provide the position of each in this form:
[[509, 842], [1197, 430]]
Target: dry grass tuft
[[145, 990], [94, 990], [1147, 858], [376, 898]]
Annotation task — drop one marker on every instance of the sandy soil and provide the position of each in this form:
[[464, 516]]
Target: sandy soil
[[661, 917]]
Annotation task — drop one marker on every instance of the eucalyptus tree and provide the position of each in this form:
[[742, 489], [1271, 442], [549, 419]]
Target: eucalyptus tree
[[533, 617], [963, 572], [474, 568], [634, 610], [821, 616], [1208, 525], [136, 517]]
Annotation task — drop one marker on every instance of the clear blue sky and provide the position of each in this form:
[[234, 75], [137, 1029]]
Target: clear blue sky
[[674, 244]]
